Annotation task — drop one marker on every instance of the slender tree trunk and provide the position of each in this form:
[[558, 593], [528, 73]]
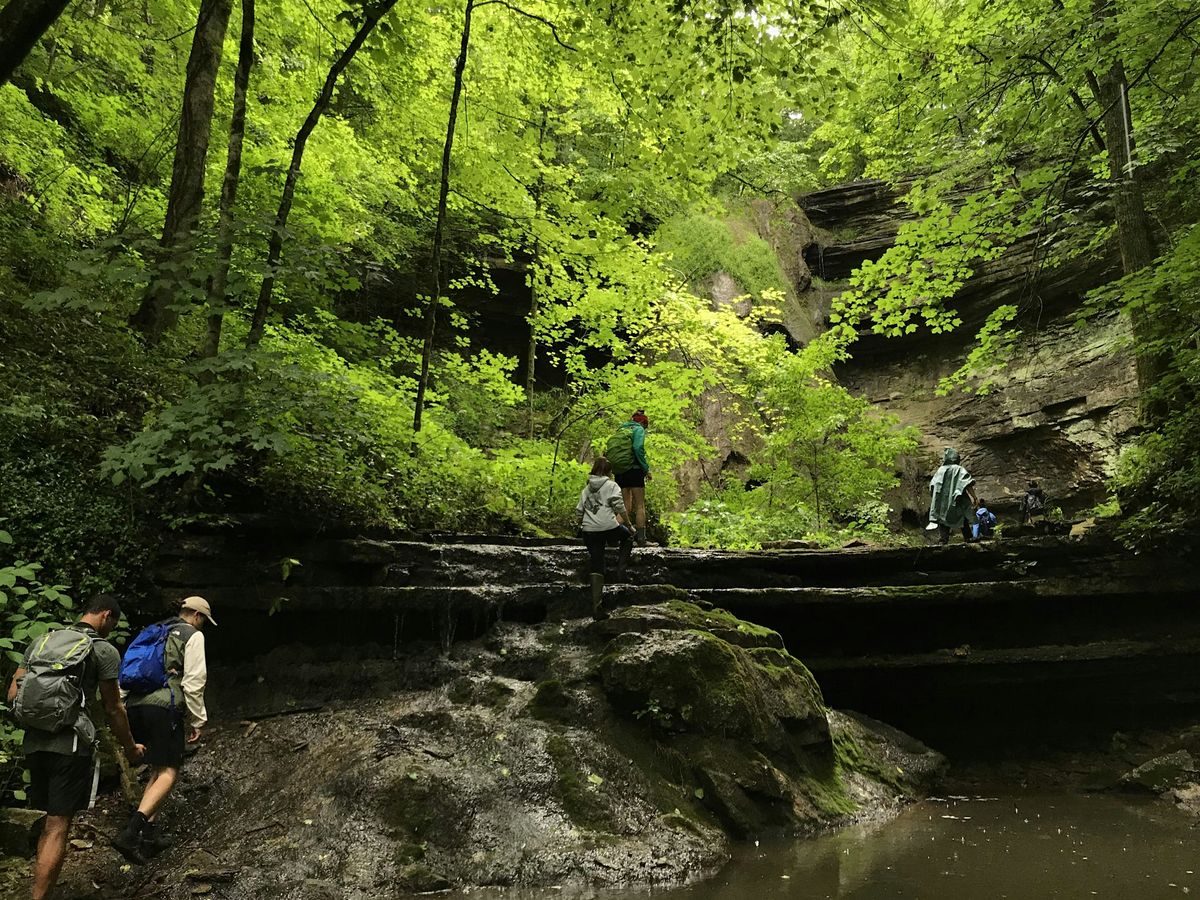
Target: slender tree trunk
[[1135, 235], [275, 245], [531, 368], [439, 229], [154, 316], [217, 286], [22, 23]]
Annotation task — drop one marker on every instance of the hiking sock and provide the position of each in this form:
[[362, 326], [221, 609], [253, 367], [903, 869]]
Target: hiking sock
[[641, 536], [129, 840]]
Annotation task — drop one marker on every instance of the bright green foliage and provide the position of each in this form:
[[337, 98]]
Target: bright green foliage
[[993, 347], [28, 609], [583, 151], [827, 460], [826, 449], [702, 245], [1158, 477]]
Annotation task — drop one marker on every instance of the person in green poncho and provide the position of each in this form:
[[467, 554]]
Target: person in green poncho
[[952, 499]]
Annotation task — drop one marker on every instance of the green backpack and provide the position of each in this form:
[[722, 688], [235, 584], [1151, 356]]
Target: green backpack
[[619, 450], [50, 696]]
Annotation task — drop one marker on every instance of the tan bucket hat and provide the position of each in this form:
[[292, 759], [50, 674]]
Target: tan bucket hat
[[200, 605]]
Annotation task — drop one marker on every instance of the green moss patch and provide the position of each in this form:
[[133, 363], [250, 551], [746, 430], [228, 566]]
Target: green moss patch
[[577, 790]]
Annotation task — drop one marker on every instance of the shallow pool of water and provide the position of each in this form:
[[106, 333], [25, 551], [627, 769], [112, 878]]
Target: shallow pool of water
[[982, 848]]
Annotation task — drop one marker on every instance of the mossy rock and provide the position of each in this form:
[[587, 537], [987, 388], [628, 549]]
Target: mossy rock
[[683, 614], [418, 878], [551, 702], [692, 681], [883, 754], [575, 790], [754, 795], [489, 692]]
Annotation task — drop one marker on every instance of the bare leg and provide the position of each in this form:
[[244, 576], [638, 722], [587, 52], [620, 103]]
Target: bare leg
[[638, 508], [162, 779], [52, 847], [627, 499]]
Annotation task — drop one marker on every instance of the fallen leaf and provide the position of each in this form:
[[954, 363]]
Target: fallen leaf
[[82, 845]]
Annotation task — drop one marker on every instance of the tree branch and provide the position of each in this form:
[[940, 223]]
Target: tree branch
[[1072, 93], [553, 28]]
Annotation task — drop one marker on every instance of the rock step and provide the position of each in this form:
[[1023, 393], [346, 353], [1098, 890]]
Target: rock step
[[212, 561], [521, 598], [1098, 651], [744, 601]]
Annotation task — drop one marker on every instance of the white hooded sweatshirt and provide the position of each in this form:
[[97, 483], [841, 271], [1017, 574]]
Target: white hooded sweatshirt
[[600, 504]]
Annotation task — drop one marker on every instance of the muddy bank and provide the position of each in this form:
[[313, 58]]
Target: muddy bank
[[632, 751]]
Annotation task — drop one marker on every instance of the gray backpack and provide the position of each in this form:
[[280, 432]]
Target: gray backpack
[[51, 697]]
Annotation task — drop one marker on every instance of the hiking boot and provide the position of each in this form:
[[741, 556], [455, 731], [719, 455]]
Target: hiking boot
[[641, 537], [598, 597], [128, 841], [154, 840]]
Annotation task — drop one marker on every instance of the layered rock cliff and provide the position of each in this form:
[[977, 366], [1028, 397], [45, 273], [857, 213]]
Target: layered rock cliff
[[1063, 404], [1060, 408]]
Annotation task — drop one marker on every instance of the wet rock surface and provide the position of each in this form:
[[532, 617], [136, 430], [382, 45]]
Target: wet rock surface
[[969, 642], [626, 751], [1163, 773]]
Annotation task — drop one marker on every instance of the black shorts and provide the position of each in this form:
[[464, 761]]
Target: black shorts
[[633, 478], [161, 730], [59, 784]]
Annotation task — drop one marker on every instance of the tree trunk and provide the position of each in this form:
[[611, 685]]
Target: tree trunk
[[22, 23], [155, 315], [439, 229], [531, 367], [217, 286], [275, 245], [1135, 235]]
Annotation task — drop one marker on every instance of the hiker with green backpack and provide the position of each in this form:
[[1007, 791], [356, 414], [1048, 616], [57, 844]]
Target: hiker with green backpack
[[626, 452], [49, 697]]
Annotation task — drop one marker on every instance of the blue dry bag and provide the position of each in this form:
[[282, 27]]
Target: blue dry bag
[[144, 668]]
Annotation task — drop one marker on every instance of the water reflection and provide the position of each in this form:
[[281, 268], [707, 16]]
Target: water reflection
[[1039, 846]]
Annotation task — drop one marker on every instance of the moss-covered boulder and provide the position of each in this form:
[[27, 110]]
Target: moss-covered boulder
[[693, 681], [560, 754]]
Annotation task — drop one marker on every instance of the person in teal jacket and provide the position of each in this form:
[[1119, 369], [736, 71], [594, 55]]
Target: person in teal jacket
[[626, 451]]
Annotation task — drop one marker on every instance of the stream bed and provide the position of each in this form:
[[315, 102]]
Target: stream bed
[[1024, 847]]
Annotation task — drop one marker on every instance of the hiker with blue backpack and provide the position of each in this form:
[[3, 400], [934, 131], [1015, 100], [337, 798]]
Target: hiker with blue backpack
[[626, 452], [164, 675], [49, 697], [984, 527]]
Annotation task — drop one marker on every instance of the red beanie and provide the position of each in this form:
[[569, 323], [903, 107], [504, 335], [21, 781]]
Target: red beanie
[[640, 418]]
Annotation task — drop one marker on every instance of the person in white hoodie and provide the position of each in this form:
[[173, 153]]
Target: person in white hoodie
[[603, 520]]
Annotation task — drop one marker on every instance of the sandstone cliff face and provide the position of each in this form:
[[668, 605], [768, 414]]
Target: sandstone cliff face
[[1060, 409]]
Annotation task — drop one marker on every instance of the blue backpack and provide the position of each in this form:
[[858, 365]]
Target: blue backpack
[[144, 668]]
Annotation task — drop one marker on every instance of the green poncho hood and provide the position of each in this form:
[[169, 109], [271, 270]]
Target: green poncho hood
[[949, 503]]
